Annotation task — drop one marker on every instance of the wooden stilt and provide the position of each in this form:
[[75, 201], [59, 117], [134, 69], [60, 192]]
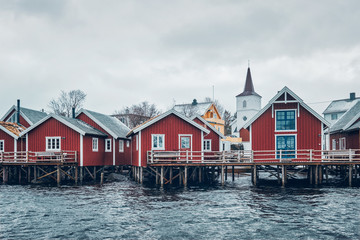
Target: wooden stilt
[[29, 175], [58, 176], [94, 173], [81, 175], [278, 174], [185, 176], [233, 172], [141, 175], [283, 175], [5, 174], [162, 176], [350, 175], [20, 175], [102, 178], [157, 175], [180, 176], [311, 174], [222, 175], [35, 174], [200, 174], [320, 174], [226, 173], [254, 175], [316, 174], [171, 174], [327, 174], [355, 172], [76, 174]]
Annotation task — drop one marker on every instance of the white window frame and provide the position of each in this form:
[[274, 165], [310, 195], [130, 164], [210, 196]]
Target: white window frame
[[158, 136], [205, 145], [106, 144], [342, 143], [287, 130], [286, 135], [127, 144], [95, 149], [2, 142], [51, 149], [333, 144], [121, 145]]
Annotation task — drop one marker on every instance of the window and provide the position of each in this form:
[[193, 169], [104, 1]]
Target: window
[[342, 143], [285, 120], [107, 145], [244, 104], [185, 143], [2, 145], [334, 116], [287, 146], [53, 143], [95, 144], [127, 143], [121, 145], [207, 145], [215, 115], [333, 144], [158, 142]]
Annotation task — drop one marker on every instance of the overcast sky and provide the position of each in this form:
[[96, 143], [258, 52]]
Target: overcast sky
[[125, 52]]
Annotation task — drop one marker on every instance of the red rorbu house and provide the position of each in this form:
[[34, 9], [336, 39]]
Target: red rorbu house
[[344, 134], [55, 133], [170, 131], [212, 141], [284, 127], [116, 144]]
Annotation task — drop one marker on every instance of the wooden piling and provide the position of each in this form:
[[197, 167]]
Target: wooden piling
[[171, 174], [19, 174], [316, 174], [233, 172], [141, 175], [180, 176], [157, 175], [222, 176], [278, 174], [81, 174], [350, 175], [28, 174], [5, 174], [35, 174], [94, 173], [102, 178], [283, 175], [162, 176], [226, 173], [58, 175], [76, 175], [185, 176], [311, 174], [254, 175], [200, 174], [327, 174]]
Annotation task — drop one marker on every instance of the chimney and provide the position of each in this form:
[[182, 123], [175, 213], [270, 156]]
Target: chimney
[[352, 96], [194, 102], [18, 112], [73, 112]]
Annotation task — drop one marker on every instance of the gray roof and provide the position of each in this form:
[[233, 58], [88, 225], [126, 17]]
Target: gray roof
[[340, 106], [192, 110], [33, 115], [86, 128], [346, 122], [110, 124]]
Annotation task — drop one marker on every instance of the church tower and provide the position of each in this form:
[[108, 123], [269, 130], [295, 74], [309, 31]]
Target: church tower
[[248, 103]]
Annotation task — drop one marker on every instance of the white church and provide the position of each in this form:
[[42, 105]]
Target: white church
[[248, 103]]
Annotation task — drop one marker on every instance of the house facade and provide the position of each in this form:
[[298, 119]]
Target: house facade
[[286, 124], [170, 131], [10, 140]]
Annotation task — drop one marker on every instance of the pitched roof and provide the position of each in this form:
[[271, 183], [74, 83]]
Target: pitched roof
[[110, 124], [249, 86], [73, 123], [346, 121], [297, 99], [30, 115], [208, 125], [161, 116], [13, 129], [340, 106], [199, 108]]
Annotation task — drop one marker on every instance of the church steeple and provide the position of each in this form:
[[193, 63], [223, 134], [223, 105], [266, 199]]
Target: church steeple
[[249, 86]]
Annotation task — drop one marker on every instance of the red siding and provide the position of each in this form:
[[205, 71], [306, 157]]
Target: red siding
[[8, 141], [171, 126], [308, 133], [214, 137], [92, 158], [245, 135], [352, 139]]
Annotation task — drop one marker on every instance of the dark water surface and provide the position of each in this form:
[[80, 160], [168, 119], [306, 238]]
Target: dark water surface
[[128, 210]]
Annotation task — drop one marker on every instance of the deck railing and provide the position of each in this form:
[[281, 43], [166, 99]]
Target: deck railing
[[34, 157], [249, 156]]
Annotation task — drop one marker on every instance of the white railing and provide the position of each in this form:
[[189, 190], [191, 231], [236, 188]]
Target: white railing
[[30, 157], [249, 156]]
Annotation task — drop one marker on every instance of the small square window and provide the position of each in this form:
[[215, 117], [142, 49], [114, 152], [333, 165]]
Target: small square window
[[127, 143], [53, 143], [158, 142], [107, 145], [95, 144], [207, 145]]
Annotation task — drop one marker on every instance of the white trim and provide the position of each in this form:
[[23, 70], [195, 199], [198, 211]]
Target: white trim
[[298, 110], [202, 145], [7, 113], [250, 137], [97, 144], [52, 138], [286, 130], [220, 145], [186, 135], [139, 148], [285, 135], [121, 145], [207, 140], [127, 143], [342, 143], [81, 150], [158, 118], [106, 141], [286, 89], [8, 132], [3, 144], [323, 141], [15, 145], [114, 147], [27, 142], [158, 138], [137, 142]]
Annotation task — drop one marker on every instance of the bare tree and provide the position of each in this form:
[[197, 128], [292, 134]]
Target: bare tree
[[219, 106], [137, 113], [66, 101]]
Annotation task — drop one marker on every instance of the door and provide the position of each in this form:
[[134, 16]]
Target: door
[[287, 146]]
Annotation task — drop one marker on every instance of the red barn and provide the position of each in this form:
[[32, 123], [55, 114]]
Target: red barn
[[116, 145], [170, 131], [10, 140], [56, 133], [284, 126], [212, 141]]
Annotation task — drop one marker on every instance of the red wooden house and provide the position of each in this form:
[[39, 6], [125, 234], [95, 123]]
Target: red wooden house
[[284, 126], [116, 145], [170, 131], [212, 141], [344, 134], [56, 133]]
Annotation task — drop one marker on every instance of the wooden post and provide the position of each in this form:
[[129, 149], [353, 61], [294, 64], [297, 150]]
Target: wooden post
[[311, 174], [58, 176], [316, 174], [254, 175], [327, 174], [320, 174], [222, 176], [355, 171], [29, 175], [76, 174], [102, 178], [81, 174], [283, 175], [94, 173], [278, 174], [19, 174], [171, 174], [162, 176], [350, 175], [233, 172], [200, 174], [141, 175], [226, 172], [185, 176], [35, 174], [180, 176], [5, 174]]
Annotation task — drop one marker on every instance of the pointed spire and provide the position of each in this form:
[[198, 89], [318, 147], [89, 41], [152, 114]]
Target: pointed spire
[[249, 86]]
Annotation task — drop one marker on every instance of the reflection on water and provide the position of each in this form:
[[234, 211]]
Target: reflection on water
[[128, 210]]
